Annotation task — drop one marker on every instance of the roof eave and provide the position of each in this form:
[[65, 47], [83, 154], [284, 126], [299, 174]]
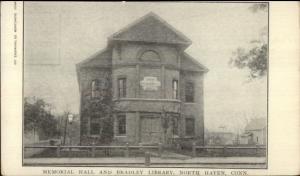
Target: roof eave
[[203, 68], [112, 40]]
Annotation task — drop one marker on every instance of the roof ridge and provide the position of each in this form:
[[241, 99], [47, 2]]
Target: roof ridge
[[159, 19]]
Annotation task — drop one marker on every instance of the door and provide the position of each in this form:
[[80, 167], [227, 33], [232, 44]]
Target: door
[[150, 129]]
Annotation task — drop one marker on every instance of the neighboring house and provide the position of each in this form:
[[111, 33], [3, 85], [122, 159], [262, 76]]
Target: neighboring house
[[157, 88], [255, 132], [220, 138]]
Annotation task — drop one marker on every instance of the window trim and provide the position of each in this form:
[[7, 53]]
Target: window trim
[[157, 59], [194, 132], [193, 92], [124, 87], [118, 125], [177, 87], [175, 121], [95, 89]]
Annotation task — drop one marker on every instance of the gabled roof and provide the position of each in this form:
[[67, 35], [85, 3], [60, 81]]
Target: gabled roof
[[101, 58], [188, 63], [151, 28], [256, 124]]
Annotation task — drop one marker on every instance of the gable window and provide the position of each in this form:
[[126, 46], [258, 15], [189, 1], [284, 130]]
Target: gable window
[[189, 126], [122, 87], [150, 56], [175, 89], [95, 129], [189, 92], [96, 88], [121, 124]]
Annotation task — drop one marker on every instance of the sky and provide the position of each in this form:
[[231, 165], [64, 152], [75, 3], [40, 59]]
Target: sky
[[57, 35]]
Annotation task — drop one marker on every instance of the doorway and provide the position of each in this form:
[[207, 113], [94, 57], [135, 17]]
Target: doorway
[[151, 131]]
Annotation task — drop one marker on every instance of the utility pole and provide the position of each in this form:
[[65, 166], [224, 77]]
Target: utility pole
[[65, 130]]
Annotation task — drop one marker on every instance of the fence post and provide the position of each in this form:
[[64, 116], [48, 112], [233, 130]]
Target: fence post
[[70, 152], [93, 150], [224, 151], [58, 151], [159, 149], [194, 149], [141, 147], [147, 159], [127, 150]]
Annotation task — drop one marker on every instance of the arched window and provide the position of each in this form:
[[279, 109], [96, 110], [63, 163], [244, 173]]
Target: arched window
[[150, 56]]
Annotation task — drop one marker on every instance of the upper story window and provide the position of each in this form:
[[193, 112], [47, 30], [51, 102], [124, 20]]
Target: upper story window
[[119, 51], [189, 92], [175, 89], [96, 84], [121, 124], [150, 56], [122, 87], [189, 126]]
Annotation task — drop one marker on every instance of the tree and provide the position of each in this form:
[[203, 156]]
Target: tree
[[101, 107], [38, 119], [256, 58], [258, 7]]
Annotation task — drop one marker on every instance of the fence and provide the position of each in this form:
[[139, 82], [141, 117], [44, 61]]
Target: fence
[[92, 149], [229, 150], [32, 151], [224, 151]]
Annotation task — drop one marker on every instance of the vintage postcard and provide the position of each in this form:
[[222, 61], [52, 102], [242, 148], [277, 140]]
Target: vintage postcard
[[149, 88]]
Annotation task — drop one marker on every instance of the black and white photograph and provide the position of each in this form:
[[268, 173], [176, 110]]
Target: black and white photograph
[[146, 84]]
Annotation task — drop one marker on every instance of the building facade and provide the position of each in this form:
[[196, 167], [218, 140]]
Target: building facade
[[255, 132], [154, 88]]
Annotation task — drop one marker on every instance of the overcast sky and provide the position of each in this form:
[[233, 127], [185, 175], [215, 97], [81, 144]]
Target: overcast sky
[[60, 34]]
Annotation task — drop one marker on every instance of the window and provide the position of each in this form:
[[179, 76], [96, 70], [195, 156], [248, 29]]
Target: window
[[189, 126], [150, 56], [119, 50], [175, 126], [95, 129], [175, 89], [96, 88], [189, 92], [121, 124], [122, 87]]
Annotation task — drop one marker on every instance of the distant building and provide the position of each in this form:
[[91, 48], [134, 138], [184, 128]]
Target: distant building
[[155, 84], [255, 132], [220, 138]]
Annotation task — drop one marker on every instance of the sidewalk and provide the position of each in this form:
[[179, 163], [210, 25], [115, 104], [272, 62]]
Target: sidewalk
[[139, 161]]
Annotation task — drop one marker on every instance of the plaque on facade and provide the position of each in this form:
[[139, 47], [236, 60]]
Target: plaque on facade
[[150, 83]]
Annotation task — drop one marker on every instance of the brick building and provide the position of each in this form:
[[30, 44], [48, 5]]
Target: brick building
[[154, 88]]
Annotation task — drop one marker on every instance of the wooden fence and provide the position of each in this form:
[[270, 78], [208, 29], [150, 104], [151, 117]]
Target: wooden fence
[[225, 149], [92, 149]]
